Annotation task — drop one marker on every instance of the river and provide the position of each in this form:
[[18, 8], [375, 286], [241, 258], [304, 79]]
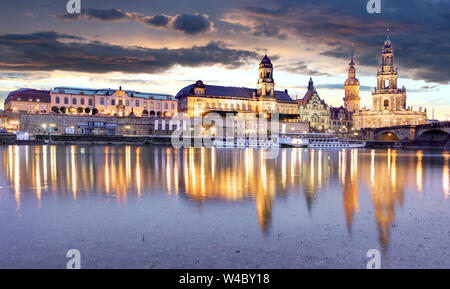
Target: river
[[159, 207]]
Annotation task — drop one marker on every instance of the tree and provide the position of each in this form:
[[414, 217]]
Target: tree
[[55, 109], [94, 111], [63, 109], [145, 112], [87, 110], [80, 110]]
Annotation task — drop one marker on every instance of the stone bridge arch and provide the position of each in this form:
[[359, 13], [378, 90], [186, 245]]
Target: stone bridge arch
[[387, 136], [433, 137]]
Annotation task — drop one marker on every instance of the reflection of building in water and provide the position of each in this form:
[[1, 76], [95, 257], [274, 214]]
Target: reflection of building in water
[[314, 171], [37, 173], [445, 176], [386, 190], [210, 174], [349, 179]]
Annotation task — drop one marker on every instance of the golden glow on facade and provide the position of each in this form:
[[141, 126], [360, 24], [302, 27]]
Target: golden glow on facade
[[389, 103]]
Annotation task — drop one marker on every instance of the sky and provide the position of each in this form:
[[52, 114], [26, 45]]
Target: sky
[[162, 46]]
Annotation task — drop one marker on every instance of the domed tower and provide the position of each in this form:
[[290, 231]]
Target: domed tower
[[352, 99], [265, 81]]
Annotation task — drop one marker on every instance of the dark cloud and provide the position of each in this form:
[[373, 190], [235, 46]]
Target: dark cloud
[[158, 20], [187, 23], [46, 51], [192, 24], [419, 30]]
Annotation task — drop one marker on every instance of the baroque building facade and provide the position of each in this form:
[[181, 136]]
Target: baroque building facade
[[389, 102], [314, 110], [200, 98], [28, 101], [108, 102], [340, 120]]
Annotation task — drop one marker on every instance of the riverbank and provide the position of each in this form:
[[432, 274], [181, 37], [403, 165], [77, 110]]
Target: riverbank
[[69, 139]]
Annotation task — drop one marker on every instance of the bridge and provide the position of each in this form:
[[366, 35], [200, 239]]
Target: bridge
[[433, 134]]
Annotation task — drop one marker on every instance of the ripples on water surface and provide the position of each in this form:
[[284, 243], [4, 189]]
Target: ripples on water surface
[[157, 207]]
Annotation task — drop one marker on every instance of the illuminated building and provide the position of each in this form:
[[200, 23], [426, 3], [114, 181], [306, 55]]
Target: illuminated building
[[199, 98], [340, 119], [28, 100], [314, 110], [108, 102], [389, 102], [352, 99]]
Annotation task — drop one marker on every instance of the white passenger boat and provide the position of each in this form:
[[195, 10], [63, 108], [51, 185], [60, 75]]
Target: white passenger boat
[[293, 140], [244, 143], [329, 140]]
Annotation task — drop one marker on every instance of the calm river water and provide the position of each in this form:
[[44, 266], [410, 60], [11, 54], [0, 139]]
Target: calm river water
[[157, 207]]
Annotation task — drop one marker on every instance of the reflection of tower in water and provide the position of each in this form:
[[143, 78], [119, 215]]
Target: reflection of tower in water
[[349, 180], [386, 191]]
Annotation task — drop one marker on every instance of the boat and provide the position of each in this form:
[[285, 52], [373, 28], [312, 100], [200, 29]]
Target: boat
[[330, 140], [244, 143], [296, 140], [293, 140]]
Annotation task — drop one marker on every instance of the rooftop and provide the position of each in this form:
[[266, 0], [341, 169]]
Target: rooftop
[[109, 91], [29, 94], [230, 91]]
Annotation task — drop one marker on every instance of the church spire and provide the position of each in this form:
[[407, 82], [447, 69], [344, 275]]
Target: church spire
[[351, 99], [351, 58], [311, 84], [388, 38]]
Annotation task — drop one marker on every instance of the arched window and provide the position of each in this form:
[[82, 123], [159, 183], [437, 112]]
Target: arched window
[[386, 103]]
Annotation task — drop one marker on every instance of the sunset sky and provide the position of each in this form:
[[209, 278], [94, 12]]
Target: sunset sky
[[162, 46]]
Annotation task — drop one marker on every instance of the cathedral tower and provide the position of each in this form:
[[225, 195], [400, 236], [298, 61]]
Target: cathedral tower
[[352, 99], [265, 81], [387, 95]]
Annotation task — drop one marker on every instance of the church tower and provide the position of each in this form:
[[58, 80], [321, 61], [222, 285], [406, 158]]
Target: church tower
[[387, 95], [265, 81], [352, 99]]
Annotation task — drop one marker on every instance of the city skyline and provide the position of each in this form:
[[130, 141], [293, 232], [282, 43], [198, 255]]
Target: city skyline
[[111, 44]]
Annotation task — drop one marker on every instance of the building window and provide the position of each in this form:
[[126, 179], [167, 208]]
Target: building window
[[127, 102], [57, 99], [172, 105], [113, 102], [145, 104], [90, 101], [386, 103], [152, 105], [137, 102], [82, 101], [250, 107], [166, 106], [158, 105], [243, 107], [102, 100], [74, 101]]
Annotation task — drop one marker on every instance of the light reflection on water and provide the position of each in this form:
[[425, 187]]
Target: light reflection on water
[[128, 173]]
